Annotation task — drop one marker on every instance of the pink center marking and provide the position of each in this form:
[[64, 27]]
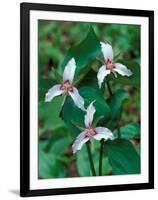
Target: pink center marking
[[109, 65], [90, 133], [67, 86]]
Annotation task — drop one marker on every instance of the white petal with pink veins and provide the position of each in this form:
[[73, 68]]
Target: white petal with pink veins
[[52, 92], [78, 100], [107, 51], [89, 115], [69, 70], [103, 133], [80, 141], [102, 73], [122, 69]]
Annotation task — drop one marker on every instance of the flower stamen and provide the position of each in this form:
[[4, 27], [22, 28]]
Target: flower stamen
[[109, 65], [67, 86], [90, 132]]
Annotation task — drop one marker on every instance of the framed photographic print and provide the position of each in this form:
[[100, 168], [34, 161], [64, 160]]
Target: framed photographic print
[[87, 99]]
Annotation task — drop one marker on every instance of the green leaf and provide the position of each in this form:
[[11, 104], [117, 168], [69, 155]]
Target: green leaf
[[82, 162], [123, 157], [84, 52], [115, 102], [106, 167], [49, 167], [90, 80], [60, 146], [134, 79], [57, 76], [102, 109], [49, 115], [80, 78], [83, 165], [46, 164], [73, 115], [44, 85], [130, 131]]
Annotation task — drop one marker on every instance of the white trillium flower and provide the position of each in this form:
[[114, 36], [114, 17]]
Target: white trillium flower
[[97, 133], [66, 87], [110, 66]]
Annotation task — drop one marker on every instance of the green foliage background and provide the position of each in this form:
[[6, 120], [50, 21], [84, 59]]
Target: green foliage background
[[55, 154]]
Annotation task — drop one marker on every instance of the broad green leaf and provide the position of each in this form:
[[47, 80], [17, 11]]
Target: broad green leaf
[[46, 165], [83, 165], [88, 77], [49, 167], [106, 167], [123, 157], [130, 131], [68, 115], [56, 75], [73, 115], [49, 114], [134, 79], [52, 136], [90, 80], [44, 85], [61, 145], [80, 78], [115, 103], [84, 52], [102, 109], [82, 162]]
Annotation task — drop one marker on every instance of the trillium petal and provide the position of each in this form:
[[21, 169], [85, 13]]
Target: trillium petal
[[89, 115], [80, 141], [107, 51], [103, 133], [102, 73], [122, 69], [69, 70], [52, 92], [78, 100]]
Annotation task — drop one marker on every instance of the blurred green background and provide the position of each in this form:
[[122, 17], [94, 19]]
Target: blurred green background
[[55, 38]]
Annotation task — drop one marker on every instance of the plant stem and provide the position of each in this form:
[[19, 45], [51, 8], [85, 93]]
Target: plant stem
[[119, 132], [118, 126], [101, 156], [62, 104], [90, 159], [109, 88], [63, 100]]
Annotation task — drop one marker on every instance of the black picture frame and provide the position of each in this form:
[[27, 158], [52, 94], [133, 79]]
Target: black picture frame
[[25, 9]]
